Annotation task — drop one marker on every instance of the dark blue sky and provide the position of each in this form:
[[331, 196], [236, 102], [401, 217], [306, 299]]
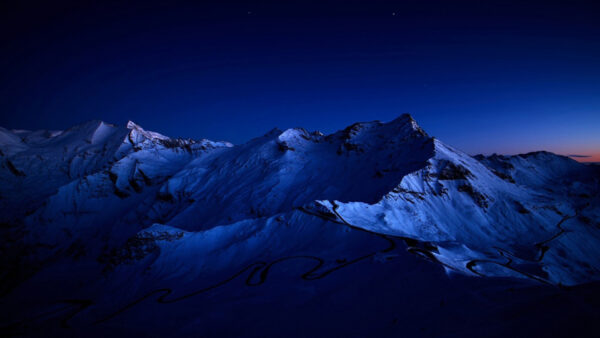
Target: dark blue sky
[[484, 76]]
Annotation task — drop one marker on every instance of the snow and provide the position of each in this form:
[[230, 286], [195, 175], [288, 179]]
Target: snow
[[138, 132], [482, 212], [113, 212]]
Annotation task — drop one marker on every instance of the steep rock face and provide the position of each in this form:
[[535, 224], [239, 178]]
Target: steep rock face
[[114, 213]]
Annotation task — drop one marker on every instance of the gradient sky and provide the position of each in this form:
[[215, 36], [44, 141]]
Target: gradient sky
[[484, 76]]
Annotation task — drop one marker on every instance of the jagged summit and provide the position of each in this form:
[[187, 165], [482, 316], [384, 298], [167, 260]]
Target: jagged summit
[[409, 120], [405, 119], [132, 125], [138, 130], [357, 136]]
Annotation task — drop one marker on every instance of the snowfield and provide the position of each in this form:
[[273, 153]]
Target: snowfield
[[373, 230]]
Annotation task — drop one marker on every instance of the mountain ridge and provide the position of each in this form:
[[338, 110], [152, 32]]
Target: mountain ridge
[[104, 205]]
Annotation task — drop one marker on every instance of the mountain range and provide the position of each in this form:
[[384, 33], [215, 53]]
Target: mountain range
[[376, 229]]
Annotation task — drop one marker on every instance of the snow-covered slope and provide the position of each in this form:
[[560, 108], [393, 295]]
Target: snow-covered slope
[[112, 216], [479, 222]]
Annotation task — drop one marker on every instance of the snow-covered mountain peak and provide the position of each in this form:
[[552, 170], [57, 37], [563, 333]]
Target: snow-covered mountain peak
[[293, 133], [407, 123], [296, 137], [132, 125], [137, 130], [396, 134], [273, 132], [141, 138]]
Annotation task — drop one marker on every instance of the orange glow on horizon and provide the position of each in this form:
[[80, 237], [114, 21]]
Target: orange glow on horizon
[[592, 158]]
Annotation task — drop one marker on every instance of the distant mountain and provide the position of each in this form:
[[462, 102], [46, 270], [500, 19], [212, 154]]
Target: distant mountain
[[128, 231]]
